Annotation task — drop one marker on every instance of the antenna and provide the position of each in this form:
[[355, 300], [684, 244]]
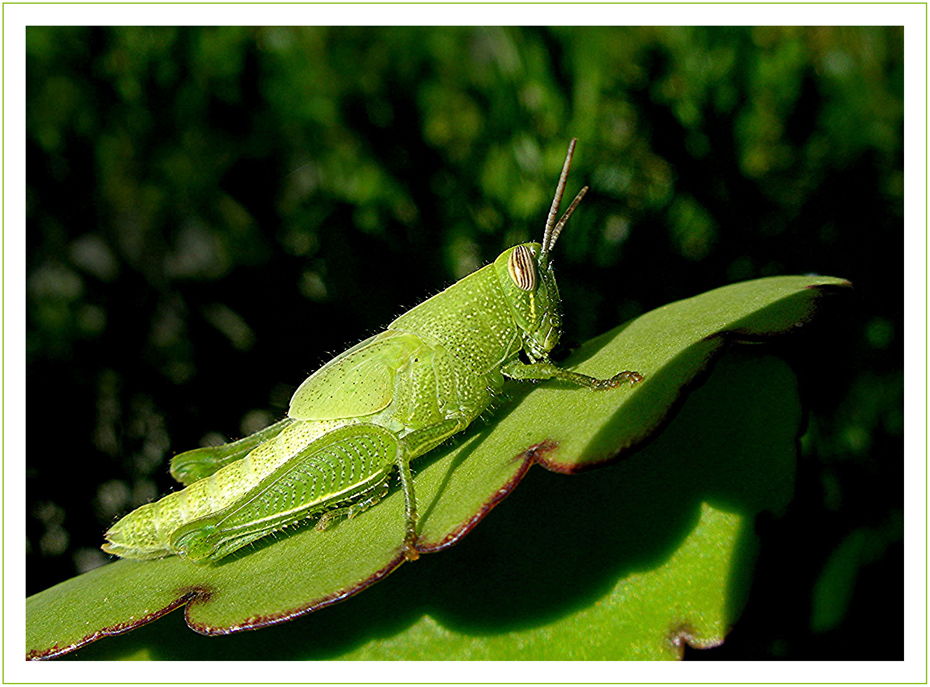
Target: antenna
[[568, 213], [553, 229]]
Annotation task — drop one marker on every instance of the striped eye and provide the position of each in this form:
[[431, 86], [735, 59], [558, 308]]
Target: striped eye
[[522, 268]]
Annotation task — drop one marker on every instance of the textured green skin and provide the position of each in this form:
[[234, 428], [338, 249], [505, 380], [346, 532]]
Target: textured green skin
[[380, 404]]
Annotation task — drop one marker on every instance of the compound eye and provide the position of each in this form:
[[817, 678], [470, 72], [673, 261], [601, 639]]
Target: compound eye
[[522, 268]]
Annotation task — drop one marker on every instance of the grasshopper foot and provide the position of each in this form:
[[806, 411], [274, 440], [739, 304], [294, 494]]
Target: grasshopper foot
[[630, 376], [410, 547], [626, 376]]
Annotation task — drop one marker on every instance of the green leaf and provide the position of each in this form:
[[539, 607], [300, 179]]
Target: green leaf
[[623, 562]]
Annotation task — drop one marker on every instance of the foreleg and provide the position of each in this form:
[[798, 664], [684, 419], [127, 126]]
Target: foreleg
[[546, 370]]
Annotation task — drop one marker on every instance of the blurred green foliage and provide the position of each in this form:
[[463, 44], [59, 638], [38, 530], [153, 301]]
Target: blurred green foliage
[[213, 212]]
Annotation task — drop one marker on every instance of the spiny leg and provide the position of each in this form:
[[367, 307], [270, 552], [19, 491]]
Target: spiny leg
[[412, 445], [416, 444], [410, 505], [402, 460], [372, 500], [350, 511]]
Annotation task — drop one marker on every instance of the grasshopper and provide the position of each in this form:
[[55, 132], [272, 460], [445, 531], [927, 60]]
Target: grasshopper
[[369, 412]]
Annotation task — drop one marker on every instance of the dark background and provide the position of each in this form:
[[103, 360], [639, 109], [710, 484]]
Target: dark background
[[213, 212]]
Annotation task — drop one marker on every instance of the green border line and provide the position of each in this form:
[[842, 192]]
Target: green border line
[[169, 2]]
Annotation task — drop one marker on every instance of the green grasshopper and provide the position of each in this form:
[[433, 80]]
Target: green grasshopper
[[372, 409]]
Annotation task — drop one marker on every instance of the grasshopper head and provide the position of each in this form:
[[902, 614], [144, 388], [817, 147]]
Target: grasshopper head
[[533, 295], [525, 272]]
